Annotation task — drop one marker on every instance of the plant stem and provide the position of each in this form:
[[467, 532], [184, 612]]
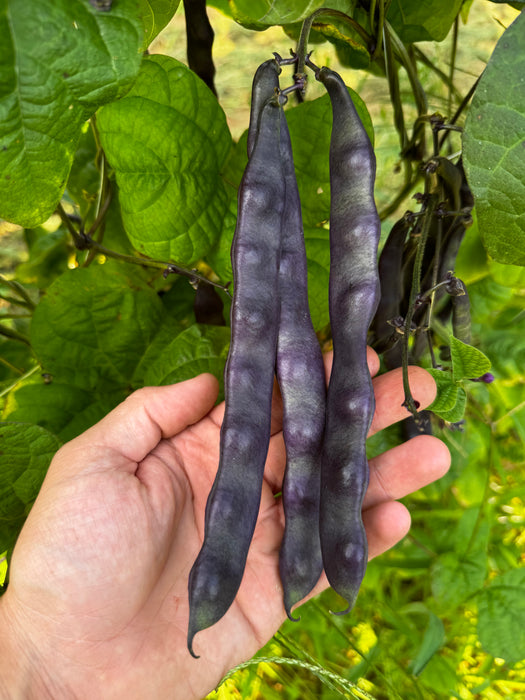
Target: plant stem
[[380, 31], [431, 206], [459, 110], [16, 287], [83, 241], [395, 92], [302, 44], [453, 54], [17, 381], [11, 316], [404, 58], [423, 58], [14, 335], [199, 41]]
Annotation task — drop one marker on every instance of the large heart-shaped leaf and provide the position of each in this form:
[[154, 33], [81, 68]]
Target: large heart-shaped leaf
[[60, 60], [92, 327], [167, 141], [494, 148]]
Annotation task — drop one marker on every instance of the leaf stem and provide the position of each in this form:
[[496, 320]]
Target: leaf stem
[[83, 241], [14, 335], [459, 110], [17, 381]]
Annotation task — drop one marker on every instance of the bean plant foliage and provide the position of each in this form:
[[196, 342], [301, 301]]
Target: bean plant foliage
[[119, 176]]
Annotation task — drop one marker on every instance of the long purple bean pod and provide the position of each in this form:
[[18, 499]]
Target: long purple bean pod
[[233, 503], [353, 298], [301, 377]]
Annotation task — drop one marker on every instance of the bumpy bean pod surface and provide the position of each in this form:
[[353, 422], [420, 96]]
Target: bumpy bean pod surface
[[353, 297], [233, 503], [301, 377]]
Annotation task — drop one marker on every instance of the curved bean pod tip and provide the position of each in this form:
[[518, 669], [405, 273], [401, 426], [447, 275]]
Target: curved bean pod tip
[[265, 84]]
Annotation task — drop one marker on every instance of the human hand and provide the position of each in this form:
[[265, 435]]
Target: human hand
[[97, 604]]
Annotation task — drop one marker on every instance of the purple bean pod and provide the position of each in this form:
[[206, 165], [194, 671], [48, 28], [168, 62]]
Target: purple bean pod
[[233, 503], [389, 270], [461, 315], [265, 84], [353, 298], [301, 377]]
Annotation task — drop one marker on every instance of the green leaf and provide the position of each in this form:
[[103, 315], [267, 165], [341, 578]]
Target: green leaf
[[259, 14], [456, 413], [167, 141], [507, 275], [100, 335], [17, 359], [457, 576], [48, 256], [447, 391], [501, 616], [60, 60], [63, 409], [84, 178], [219, 257], [92, 327], [494, 148], [155, 15], [318, 260], [174, 357], [433, 640], [461, 571], [414, 20], [27, 451], [350, 47], [467, 361], [471, 484]]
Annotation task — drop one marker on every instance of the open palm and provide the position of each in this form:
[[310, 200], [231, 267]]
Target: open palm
[[98, 589]]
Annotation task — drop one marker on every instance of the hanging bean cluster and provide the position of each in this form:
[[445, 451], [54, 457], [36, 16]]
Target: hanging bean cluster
[[419, 290], [324, 429]]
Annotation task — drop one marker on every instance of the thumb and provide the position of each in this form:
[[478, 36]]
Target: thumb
[[136, 426]]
